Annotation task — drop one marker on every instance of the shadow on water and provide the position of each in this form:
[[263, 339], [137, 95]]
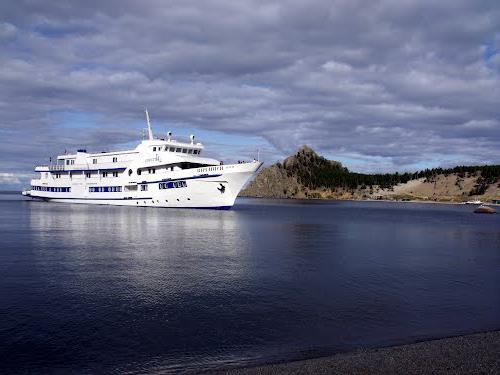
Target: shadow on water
[[131, 290]]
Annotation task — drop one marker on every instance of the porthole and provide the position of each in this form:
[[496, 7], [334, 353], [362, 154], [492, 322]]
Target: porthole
[[130, 172]]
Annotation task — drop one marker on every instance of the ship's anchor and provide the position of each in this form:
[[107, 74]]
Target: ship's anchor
[[222, 188]]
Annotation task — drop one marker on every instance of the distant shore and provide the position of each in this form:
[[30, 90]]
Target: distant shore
[[308, 175], [470, 354], [374, 200]]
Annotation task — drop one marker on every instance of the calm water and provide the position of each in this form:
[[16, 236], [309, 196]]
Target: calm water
[[116, 289]]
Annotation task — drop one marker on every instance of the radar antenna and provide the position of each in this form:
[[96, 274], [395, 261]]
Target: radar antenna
[[150, 131]]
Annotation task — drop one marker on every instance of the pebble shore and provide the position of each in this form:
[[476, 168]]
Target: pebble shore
[[471, 354]]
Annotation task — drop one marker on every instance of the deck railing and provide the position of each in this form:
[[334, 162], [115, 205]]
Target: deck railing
[[83, 167], [56, 167]]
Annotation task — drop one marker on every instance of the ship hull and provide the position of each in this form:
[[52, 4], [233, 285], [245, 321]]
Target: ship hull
[[216, 188]]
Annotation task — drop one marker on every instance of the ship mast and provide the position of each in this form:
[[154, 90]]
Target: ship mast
[[150, 131]]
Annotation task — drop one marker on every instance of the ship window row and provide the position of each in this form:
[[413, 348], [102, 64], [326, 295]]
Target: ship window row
[[87, 174], [105, 189], [115, 160], [182, 165], [188, 151], [210, 169], [172, 185], [52, 189], [105, 174]]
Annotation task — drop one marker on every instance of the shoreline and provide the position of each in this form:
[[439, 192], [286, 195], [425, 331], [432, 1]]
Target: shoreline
[[477, 353], [373, 200]]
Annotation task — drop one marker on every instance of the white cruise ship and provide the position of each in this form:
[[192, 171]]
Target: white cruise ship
[[157, 173]]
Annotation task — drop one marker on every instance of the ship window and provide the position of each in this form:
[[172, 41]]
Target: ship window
[[178, 150], [94, 161], [184, 151], [104, 174], [130, 172], [171, 149], [144, 187], [154, 148], [72, 161], [67, 162], [115, 174], [190, 151], [115, 159], [139, 172], [87, 174]]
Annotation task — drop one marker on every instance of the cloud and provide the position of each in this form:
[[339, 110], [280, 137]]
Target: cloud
[[9, 178], [382, 85]]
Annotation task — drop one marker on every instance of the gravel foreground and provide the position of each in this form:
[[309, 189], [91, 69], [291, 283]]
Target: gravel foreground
[[471, 354]]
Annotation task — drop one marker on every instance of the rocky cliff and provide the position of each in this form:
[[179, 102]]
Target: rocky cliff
[[309, 175]]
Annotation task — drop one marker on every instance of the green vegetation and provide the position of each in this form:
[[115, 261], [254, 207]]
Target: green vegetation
[[314, 171]]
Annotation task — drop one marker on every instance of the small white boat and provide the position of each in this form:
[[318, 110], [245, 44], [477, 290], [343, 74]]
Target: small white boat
[[474, 202]]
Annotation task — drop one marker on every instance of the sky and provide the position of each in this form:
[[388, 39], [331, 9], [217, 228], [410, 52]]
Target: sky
[[381, 86]]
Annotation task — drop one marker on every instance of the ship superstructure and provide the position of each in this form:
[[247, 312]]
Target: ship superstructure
[[157, 173]]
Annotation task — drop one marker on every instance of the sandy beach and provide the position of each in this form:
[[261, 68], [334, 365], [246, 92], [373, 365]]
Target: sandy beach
[[471, 354]]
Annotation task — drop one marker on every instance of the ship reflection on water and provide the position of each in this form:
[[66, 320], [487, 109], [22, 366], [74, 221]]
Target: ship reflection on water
[[146, 249], [96, 288]]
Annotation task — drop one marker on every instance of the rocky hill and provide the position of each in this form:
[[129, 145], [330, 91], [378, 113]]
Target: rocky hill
[[309, 175]]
